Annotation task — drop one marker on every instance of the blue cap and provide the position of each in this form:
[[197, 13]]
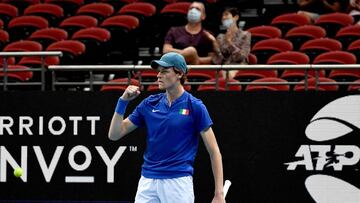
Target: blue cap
[[171, 59]]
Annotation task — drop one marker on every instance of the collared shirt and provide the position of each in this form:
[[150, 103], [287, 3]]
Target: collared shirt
[[172, 134]]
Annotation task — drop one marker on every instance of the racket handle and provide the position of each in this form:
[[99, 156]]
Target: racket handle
[[226, 186]]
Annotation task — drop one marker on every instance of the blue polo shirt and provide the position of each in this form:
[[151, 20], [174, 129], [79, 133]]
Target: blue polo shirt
[[172, 134]]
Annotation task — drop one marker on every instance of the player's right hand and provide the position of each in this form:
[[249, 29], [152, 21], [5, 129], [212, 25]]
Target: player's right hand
[[131, 93]]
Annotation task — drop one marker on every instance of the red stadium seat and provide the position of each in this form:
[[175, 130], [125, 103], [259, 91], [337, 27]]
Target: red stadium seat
[[293, 58], [17, 76], [147, 75], [354, 87], [95, 40], [71, 49], [93, 33], [339, 57], [4, 38], [175, 13], [287, 21], [155, 87], [22, 26], [222, 85], [262, 32], [348, 34], [24, 45], [317, 46], [75, 23], [53, 13], [9, 61], [252, 59], [354, 48], [48, 35], [121, 22], [120, 87], [69, 6], [123, 37], [332, 22], [178, 7], [8, 12], [117, 4], [289, 57], [97, 10], [335, 57], [301, 34], [21, 4], [266, 48], [280, 87], [250, 75], [196, 75], [36, 61], [149, 29], [313, 85], [138, 9]]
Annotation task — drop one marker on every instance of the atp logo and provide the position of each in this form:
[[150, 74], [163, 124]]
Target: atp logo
[[338, 119]]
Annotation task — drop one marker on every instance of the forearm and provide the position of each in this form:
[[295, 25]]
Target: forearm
[[217, 168], [115, 131], [334, 7], [115, 127], [206, 60], [169, 48]]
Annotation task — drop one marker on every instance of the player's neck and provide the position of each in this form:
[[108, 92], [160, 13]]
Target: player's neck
[[174, 93]]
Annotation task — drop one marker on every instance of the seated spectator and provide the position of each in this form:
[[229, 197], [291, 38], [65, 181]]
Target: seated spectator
[[192, 40], [354, 10], [314, 8], [233, 47]]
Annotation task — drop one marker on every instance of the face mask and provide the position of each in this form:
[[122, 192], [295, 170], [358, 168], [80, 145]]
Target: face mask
[[227, 22], [194, 15]]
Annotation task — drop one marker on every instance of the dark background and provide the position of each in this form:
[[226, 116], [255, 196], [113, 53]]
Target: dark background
[[257, 133]]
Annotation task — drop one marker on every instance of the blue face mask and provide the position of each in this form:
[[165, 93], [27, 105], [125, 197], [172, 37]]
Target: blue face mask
[[227, 23], [194, 15]]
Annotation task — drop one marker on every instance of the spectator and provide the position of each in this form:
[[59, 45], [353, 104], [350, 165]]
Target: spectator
[[192, 40], [314, 8], [233, 47], [354, 10]]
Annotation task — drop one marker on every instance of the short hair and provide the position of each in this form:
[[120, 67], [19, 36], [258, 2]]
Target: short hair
[[234, 11], [202, 3], [183, 78]]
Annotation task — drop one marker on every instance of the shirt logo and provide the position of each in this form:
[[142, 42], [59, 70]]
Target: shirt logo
[[155, 110], [184, 112]]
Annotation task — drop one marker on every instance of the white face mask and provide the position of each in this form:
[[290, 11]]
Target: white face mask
[[194, 15], [227, 23]]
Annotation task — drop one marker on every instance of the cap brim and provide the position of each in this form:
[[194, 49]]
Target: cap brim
[[156, 63]]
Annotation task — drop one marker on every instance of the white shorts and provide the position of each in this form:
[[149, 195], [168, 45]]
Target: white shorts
[[174, 190]]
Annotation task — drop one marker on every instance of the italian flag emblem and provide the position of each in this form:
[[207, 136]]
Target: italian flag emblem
[[184, 112]]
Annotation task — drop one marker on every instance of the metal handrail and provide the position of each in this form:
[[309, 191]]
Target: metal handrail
[[42, 54], [218, 68]]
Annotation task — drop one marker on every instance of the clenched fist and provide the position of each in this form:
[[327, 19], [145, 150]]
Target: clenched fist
[[131, 93]]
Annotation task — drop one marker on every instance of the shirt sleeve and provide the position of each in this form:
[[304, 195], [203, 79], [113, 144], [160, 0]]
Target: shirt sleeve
[[169, 38], [202, 117], [137, 117]]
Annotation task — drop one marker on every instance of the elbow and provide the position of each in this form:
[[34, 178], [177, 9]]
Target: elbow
[[114, 136]]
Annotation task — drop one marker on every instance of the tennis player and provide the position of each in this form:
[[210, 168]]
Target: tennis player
[[174, 120]]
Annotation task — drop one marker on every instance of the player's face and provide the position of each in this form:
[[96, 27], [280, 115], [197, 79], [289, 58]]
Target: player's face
[[167, 78]]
